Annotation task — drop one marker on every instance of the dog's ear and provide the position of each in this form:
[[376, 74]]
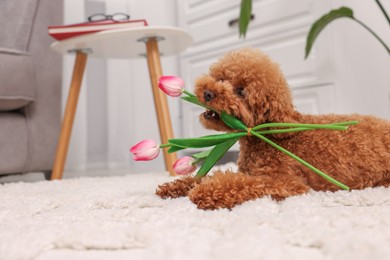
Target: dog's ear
[[282, 113]]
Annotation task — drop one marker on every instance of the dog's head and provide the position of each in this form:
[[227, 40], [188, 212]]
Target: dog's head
[[247, 85]]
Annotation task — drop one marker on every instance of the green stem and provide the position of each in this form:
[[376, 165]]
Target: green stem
[[327, 177], [194, 100], [299, 129], [188, 93], [347, 123], [282, 131], [165, 145], [198, 160], [339, 126], [374, 34], [383, 11]]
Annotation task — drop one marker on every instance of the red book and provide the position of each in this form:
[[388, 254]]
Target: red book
[[63, 32]]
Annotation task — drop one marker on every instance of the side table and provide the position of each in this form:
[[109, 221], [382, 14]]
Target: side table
[[124, 44]]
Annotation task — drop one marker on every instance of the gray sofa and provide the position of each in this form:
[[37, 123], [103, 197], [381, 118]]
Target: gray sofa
[[30, 86]]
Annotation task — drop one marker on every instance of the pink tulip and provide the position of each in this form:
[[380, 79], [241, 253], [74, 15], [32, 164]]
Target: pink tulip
[[145, 151], [184, 165], [171, 85]]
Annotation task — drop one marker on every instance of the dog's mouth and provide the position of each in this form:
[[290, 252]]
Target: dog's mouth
[[211, 115], [212, 120]]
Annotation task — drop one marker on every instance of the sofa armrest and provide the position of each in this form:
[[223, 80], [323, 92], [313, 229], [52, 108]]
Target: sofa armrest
[[16, 18], [44, 114], [18, 84]]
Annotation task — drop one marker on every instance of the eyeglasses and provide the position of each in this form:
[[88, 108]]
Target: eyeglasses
[[117, 17]]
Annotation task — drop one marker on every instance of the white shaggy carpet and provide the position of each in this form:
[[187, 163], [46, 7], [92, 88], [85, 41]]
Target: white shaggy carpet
[[121, 218]]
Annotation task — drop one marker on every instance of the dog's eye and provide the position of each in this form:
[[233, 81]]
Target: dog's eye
[[240, 91]]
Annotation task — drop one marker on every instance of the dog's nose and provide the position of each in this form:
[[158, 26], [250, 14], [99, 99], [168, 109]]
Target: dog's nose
[[208, 95]]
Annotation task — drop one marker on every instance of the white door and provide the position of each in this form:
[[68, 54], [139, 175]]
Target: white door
[[279, 28]]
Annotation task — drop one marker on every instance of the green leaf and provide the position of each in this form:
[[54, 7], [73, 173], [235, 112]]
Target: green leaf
[[245, 16], [215, 154], [233, 122], [174, 148], [201, 155], [321, 23], [205, 141]]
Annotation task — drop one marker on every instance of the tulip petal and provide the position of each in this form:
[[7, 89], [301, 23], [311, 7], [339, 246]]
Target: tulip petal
[[171, 85], [142, 146], [184, 166], [146, 156], [171, 80], [145, 150]]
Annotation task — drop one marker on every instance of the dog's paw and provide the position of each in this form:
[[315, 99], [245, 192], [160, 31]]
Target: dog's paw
[[223, 190], [226, 190], [208, 198], [177, 188]]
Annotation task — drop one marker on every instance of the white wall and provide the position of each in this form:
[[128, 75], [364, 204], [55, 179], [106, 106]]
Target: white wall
[[116, 107], [362, 65], [74, 12], [359, 65], [144, 123]]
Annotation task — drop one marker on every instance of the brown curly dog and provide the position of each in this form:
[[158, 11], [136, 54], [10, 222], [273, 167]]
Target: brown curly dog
[[248, 85]]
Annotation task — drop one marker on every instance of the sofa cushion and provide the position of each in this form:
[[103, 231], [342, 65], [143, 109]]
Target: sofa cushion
[[18, 82]]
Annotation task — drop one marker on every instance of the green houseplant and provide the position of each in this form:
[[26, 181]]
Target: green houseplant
[[318, 25]]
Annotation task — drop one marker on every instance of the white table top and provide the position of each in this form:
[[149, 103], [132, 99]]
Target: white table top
[[125, 43]]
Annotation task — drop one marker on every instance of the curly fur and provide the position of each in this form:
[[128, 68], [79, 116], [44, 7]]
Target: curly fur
[[248, 85]]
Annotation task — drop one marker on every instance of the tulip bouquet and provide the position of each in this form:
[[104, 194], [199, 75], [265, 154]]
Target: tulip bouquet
[[221, 143]]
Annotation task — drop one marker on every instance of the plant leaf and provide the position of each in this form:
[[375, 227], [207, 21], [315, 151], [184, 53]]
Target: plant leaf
[[175, 148], [321, 23], [233, 122], [245, 16], [201, 155], [216, 153], [205, 141]]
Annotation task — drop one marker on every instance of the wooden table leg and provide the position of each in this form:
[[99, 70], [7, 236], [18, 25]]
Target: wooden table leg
[[70, 111], [160, 101]]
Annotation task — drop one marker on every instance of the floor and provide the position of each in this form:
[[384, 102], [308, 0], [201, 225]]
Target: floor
[[37, 176], [68, 174], [121, 218]]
